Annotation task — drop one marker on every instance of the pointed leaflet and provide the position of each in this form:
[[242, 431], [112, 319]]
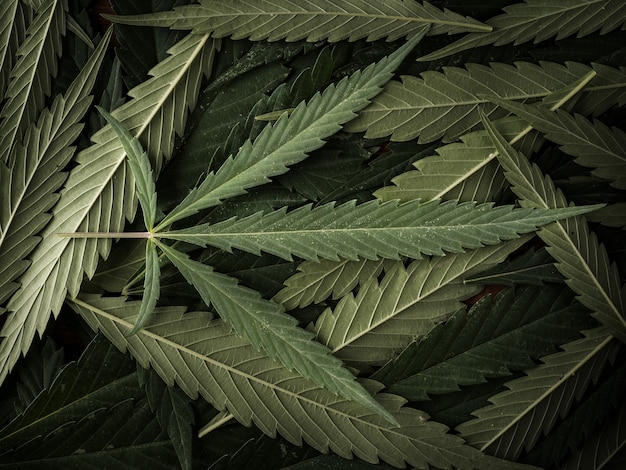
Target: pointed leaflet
[[594, 144], [580, 257], [497, 336], [31, 181], [603, 448], [206, 357], [118, 436], [140, 166], [317, 281], [611, 215], [372, 230], [532, 267], [151, 286], [517, 417], [537, 20], [267, 327], [102, 377], [174, 413], [383, 318], [8, 11], [288, 140], [311, 20], [98, 196], [445, 105], [31, 75]]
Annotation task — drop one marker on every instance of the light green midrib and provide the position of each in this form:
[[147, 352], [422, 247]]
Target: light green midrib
[[479, 27], [234, 370]]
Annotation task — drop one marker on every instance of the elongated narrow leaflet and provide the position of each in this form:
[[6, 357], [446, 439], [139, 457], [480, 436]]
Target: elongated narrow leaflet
[[373, 229]]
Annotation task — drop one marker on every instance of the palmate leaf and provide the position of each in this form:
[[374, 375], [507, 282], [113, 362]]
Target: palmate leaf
[[537, 20], [371, 230], [288, 140], [517, 417], [314, 21], [445, 105], [371, 327], [97, 197], [206, 357], [580, 257], [594, 144], [267, 327], [30, 182], [496, 337], [30, 81]]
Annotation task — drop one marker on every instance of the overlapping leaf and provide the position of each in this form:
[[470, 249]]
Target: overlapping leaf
[[594, 144], [603, 448], [383, 318], [445, 105], [208, 358], [288, 140], [98, 195], [537, 20], [580, 257], [311, 20], [517, 417], [30, 82], [34, 174], [9, 18], [267, 327], [317, 281], [532, 267], [372, 230], [493, 339]]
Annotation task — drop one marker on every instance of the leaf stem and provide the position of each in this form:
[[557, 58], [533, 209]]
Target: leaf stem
[[146, 235]]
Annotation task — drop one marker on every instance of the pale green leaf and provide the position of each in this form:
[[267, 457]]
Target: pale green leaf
[[205, 357], [30, 184], [9, 19], [372, 230], [30, 82], [311, 20], [445, 105], [594, 145], [288, 140], [98, 196], [140, 167], [268, 327], [317, 281], [580, 257], [439, 175], [383, 318], [537, 20], [495, 337], [532, 404]]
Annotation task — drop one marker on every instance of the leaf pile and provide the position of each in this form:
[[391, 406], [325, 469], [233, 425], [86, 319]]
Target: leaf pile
[[390, 232]]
